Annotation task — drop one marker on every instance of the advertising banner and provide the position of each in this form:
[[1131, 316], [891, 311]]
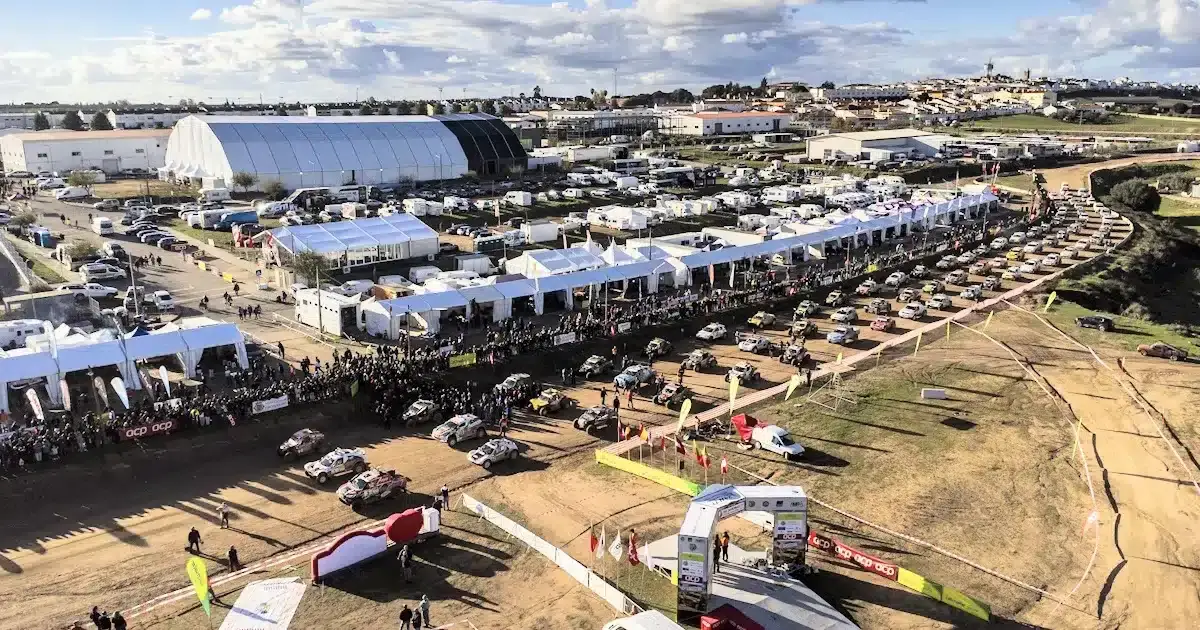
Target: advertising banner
[[198, 575], [98, 383], [653, 474], [147, 430], [791, 530], [162, 375], [463, 360], [270, 404], [66, 393], [35, 403], [624, 326], [846, 552], [945, 594], [693, 574], [265, 605], [564, 338]]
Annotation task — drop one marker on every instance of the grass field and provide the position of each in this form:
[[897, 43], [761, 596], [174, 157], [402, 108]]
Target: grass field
[[1128, 334], [1021, 181], [46, 272], [1117, 124], [130, 188], [1184, 211]]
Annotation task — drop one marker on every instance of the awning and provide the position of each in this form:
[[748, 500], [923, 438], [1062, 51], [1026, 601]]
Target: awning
[[18, 365]]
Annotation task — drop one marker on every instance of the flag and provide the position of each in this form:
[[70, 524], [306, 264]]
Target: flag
[[919, 334], [733, 389], [35, 403], [712, 276], [628, 432], [644, 434], [699, 454], [724, 465], [198, 574], [593, 542], [633, 552], [600, 545], [792, 385], [615, 549], [732, 271], [98, 383], [662, 442], [162, 374], [989, 320], [1050, 300], [679, 447], [684, 410], [839, 357], [118, 386], [66, 393]]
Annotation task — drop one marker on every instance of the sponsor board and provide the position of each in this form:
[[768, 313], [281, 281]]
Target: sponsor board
[[270, 404], [564, 338], [865, 561], [147, 430], [675, 483], [463, 360], [731, 509], [624, 326]]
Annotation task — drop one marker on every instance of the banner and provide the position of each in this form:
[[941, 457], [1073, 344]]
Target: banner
[[564, 338], [265, 605], [463, 360], [653, 474], [712, 276], [147, 430], [162, 374], [872, 268], [848, 553], [945, 594], [624, 326], [270, 404], [684, 410], [101, 390], [1050, 300], [792, 385], [35, 403], [66, 393], [118, 386], [145, 378], [733, 389], [198, 574]]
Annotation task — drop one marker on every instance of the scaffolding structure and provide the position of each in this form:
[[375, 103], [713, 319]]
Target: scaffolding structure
[[832, 393]]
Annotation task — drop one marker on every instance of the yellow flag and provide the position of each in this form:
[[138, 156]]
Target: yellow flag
[[989, 320], [733, 389], [839, 359], [792, 385], [919, 335], [947, 329], [198, 574], [684, 410], [1050, 300]]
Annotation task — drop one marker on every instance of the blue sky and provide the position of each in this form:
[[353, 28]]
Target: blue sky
[[327, 49]]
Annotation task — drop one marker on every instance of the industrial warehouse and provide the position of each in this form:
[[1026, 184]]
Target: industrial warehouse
[[107, 151], [303, 152]]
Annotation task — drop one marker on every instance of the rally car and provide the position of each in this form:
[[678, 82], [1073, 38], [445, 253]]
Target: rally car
[[868, 287], [907, 294], [806, 308], [371, 486], [991, 283], [755, 344], [514, 382], [879, 306], [461, 427], [595, 366], [883, 323], [844, 315], [422, 411], [842, 335], [913, 310], [1099, 322], [549, 401], [919, 272], [896, 279], [633, 376], [595, 419], [933, 286], [973, 292], [743, 372], [795, 354], [761, 319], [803, 328], [337, 463], [671, 394], [835, 299], [699, 359], [658, 347], [495, 450], [302, 442], [712, 332]]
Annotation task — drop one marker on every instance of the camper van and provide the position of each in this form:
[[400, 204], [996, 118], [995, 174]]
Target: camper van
[[206, 219], [13, 333], [102, 226], [518, 198], [71, 193], [212, 195]]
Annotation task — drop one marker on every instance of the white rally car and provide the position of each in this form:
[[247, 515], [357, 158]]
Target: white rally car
[[461, 427], [337, 463], [371, 486], [496, 450]]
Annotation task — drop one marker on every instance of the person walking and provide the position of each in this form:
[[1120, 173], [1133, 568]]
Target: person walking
[[717, 555], [725, 547], [280, 346], [616, 406], [629, 397], [405, 563], [223, 513], [194, 541], [424, 608], [603, 395], [406, 615], [119, 622], [445, 492], [235, 564], [417, 620]]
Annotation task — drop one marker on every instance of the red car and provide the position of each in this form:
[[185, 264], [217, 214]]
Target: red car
[[1162, 350], [883, 323]]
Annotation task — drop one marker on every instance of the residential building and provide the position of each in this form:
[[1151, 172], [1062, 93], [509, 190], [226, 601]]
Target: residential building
[[725, 123], [856, 92]]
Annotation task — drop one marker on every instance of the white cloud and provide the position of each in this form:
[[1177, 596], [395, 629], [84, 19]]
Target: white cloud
[[734, 38], [455, 59], [677, 43], [201, 14]]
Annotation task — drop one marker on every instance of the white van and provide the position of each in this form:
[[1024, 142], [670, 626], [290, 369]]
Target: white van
[[649, 620], [102, 226], [211, 195], [71, 193]]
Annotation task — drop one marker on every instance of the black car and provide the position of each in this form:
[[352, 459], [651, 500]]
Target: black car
[[1099, 322]]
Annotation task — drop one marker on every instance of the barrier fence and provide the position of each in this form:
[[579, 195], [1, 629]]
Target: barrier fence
[[576, 569]]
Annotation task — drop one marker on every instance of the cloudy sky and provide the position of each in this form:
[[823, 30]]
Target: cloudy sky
[[244, 50]]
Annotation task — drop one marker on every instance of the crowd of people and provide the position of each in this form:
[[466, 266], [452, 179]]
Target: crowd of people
[[393, 377]]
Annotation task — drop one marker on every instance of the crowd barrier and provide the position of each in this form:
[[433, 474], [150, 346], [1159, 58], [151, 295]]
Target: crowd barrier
[[582, 574]]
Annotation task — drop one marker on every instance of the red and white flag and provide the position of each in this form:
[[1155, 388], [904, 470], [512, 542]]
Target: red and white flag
[[724, 465], [599, 548], [679, 447], [593, 542], [633, 553]]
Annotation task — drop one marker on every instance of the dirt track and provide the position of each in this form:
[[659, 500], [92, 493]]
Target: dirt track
[[1076, 176]]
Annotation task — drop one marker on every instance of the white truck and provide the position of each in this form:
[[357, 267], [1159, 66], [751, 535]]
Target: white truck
[[210, 195]]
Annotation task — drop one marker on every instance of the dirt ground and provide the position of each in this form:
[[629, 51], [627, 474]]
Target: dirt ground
[[1076, 176]]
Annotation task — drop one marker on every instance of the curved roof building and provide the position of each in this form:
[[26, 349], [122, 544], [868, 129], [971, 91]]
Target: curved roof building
[[305, 152]]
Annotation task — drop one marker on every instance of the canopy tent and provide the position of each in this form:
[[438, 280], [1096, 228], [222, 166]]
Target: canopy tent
[[394, 237]]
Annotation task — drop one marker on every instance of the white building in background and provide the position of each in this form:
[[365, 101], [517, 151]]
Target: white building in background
[[851, 92], [725, 123], [109, 151], [17, 120], [144, 119]]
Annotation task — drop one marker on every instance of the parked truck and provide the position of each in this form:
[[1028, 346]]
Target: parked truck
[[541, 231]]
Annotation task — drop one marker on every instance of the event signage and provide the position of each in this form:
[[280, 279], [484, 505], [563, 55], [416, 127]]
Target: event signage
[[463, 360], [270, 404], [845, 552], [730, 509], [624, 326], [787, 544], [693, 574], [564, 338], [147, 430]]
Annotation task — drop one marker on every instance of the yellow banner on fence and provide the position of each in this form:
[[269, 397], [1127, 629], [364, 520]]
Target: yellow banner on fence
[[945, 594], [228, 277], [733, 389], [989, 320], [919, 334], [202, 266], [657, 476], [872, 268], [462, 360]]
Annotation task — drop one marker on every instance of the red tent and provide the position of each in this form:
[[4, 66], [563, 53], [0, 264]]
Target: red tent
[[726, 617], [745, 425]]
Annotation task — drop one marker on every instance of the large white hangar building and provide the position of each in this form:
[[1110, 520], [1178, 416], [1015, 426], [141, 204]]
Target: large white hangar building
[[306, 152]]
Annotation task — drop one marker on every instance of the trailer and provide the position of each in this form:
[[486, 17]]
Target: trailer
[[422, 207], [518, 198], [540, 231]]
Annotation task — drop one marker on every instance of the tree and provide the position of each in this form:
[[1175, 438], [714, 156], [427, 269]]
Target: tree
[[452, 108], [346, 112], [243, 180], [383, 110], [23, 219], [489, 107], [1176, 182], [1180, 108], [281, 111], [100, 122], [472, 108], [273, 189], [403, 108], [310, 266], [762, 87], [78, 248], [365, 110], [537, 91], [1136, 195], [40, 123], [682, 96], [504, 110], [437, 108], [82, 179], [828, 85], [72, 121]]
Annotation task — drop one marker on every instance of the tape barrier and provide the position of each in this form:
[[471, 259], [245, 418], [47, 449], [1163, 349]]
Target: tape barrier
[[462, 360], [671, 481]]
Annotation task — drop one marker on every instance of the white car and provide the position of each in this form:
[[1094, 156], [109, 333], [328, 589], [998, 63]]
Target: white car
[[1051, 260], [1032, 247], [939, 301], [337, 463], [913, 310], [956, 277], [999, 243], [1017, 237], [93, 271], [844, 315], [967, 258], [461, 427], [493, 451], [776, 439], [754, 343], [868, 287], [1028, 267], [947, 262], [92, 290], [712, 332], [896, 279], [842, 335], [162, 300], [973, 292]]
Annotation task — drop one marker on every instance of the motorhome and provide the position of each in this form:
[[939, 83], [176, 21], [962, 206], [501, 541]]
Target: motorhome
[[206, 219], [631, 166], [102, 226], [13, 333], [518, 198], [454, 204], [421, 207], [213, 195]]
